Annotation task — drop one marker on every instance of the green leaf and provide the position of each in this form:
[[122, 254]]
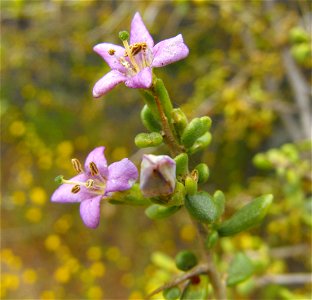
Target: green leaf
[[185, 260], [163, 96], [181, 164], [172, 293], [148, 120], [203, 172], [156, 212], [144, 140], [201, 143], [241, 268], [247, 217], [194, 130], [202, 207]]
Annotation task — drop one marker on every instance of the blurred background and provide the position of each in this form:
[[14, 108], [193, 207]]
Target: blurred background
[[248, 69]]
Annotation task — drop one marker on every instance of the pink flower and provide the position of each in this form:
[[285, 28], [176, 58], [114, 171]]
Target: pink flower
[[95, 182], [133, 64]]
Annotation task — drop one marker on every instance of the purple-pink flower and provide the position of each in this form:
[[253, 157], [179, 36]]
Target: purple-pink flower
[[132, 64], [95, 182]]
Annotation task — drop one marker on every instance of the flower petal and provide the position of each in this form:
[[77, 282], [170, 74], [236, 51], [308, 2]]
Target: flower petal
[[97, 156], [139, 33], [108, 82], [121, 176], [169, 51], [64, 191], [112, 60], [90, 211], [142, 80]]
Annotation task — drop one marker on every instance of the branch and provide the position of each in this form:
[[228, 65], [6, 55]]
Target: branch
[[284, 279], [200, 269]]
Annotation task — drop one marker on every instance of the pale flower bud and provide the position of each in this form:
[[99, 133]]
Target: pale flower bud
[[158, 175]]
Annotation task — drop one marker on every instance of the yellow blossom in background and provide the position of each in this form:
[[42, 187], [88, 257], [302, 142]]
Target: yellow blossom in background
[[47, 295], [112, 253], [94, 253], [10, 281], [188, 233], [38, 195], [97, 269], [127, 280], [136, 295], [63, 224], [95, 292], [19, 198], [52, 242], [33, 215], [17, 128], [30, 276], [62, 274]]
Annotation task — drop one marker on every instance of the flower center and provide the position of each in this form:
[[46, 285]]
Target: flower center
[[137, 56], [96, 184]]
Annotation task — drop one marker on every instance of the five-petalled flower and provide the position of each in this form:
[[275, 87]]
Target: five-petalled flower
[[132, 64], [95, 182]]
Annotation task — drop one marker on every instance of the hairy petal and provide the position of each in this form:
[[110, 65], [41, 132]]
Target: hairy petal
[[142, 80], [108, 82], [97, 156], [169, 51], [90, 211], [121, 176], [112, 60], [63, 192], [139, 33]]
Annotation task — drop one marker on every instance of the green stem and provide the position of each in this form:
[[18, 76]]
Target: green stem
[[212, 272]]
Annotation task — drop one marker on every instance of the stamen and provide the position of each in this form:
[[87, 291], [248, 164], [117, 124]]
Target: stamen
[[90, 183], [75, 189], [111, 51], [129, 54], [77, 165], [93, 168]]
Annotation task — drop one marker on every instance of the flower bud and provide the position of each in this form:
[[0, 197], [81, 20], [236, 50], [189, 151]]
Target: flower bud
[[190, 185], [144, 140], [148, 119], [158, 175]]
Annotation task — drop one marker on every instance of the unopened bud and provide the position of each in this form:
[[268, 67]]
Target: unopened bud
[[158, 175], [179, 120]]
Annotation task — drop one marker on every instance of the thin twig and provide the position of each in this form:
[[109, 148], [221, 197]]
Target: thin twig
[[284, 279], [199, 269]]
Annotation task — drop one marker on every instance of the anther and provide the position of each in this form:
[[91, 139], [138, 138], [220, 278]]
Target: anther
[[89, 183], [93, 168], [111, 51], [77, 165], [75, 189]]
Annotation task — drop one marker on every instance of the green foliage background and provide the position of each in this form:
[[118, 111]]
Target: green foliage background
[[242, 71]]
